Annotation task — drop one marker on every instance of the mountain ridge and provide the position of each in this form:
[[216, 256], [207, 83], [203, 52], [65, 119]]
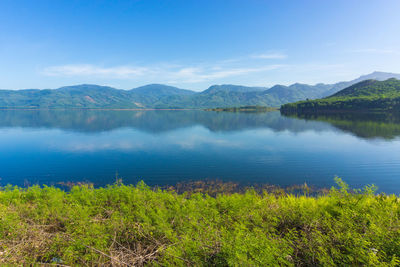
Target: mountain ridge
[[161, 89], [165, 96]]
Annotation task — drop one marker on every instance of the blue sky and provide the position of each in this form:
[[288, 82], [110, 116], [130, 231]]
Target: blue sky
[[194, 44]]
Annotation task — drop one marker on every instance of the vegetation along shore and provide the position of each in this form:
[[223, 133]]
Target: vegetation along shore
[[136, 225]]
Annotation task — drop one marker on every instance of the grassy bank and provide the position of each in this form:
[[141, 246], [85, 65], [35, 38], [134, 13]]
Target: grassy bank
[[135, 225]]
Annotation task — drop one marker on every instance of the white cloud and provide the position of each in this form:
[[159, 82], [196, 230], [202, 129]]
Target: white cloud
[[199, 72], [89, 70], [100, 146], [270, 56], [192, 75], [162, 72], [377, 51]]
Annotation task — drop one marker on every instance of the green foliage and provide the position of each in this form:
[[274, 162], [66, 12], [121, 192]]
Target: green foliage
[[369, 95], [137, 225]]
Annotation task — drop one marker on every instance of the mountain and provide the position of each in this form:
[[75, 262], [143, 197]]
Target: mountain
[[160, 96], [79, 96], [377, 75], [161, 90], [86, 88], [371, 88], [296, 91], [232, 88], [368, 95]]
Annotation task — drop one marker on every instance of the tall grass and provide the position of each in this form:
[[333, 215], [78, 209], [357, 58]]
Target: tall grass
[[136, 225]]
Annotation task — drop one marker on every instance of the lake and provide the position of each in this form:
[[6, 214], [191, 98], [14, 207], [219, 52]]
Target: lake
[[165, 147]]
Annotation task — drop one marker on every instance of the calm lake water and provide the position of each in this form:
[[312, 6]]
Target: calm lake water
[[166, 147]]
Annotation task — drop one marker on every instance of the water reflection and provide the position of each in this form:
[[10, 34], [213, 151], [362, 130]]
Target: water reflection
[[96, 121], [165, 147], [378, 125], [363, 125]]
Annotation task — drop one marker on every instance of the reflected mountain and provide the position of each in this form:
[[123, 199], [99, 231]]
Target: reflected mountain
[[363, 125], [378, 125], [153, 121]]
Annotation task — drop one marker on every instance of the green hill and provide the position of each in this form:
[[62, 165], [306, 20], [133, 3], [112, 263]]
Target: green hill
[[369, 95]]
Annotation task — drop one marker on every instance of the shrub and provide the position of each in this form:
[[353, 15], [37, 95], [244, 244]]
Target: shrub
[[137, 225]]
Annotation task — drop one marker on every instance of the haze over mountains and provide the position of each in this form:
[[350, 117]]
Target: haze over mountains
[[162, 96]]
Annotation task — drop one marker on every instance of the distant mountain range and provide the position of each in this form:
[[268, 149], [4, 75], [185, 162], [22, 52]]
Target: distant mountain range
[[160, 96]]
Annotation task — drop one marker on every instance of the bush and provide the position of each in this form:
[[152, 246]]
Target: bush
[[137, 225]]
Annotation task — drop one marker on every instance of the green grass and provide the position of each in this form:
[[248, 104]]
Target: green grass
[[137, 225]]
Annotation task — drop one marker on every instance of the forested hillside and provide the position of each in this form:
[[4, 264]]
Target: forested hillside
[[369, 95]]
